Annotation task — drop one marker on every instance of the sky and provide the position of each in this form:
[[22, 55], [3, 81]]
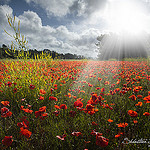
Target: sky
[[72, 26]]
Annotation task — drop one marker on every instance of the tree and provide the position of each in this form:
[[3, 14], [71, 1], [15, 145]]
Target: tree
[[120, 46]]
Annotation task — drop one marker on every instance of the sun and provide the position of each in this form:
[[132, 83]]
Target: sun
[[126, 16]]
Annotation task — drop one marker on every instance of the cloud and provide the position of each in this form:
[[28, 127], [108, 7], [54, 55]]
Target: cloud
[[59, 39], [62, 8], [4, 9], [54, 7]]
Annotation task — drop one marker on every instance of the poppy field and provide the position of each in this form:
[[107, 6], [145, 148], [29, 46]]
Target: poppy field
[[75, 105]]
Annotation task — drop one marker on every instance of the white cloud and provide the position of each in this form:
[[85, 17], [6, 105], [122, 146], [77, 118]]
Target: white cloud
[[4, 9], [54, 7], [61, 8], [59, 39]]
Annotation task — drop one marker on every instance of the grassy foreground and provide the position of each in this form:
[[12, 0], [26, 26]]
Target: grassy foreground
[[75, 105]]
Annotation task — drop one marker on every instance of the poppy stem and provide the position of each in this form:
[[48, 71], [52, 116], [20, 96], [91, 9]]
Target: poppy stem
[[4, 125]]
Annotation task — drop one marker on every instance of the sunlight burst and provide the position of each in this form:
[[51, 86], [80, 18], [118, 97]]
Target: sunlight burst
[[126, 16]]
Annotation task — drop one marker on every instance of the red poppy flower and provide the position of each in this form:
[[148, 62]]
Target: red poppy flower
[[132, 113], [53, 98], [25, 132], [9, 84], [7, 141], [63, 106], [147, 99], [122, 125], [27, 110], [78, 103], [109, 120], [56, 113], [15, 90], [5, 103], [32, 86], [42, 91], [146, 114], [94, 123], [103, 89], [52, 90], [42, 109], [133, 97], [101, 141], [5, 112], [61, 137], [24, 119], [76, 133], [135, 121], [118, 135], [41, 98], [138, 104], [95, 133], [139, 96], [41, 113], [89, 107]]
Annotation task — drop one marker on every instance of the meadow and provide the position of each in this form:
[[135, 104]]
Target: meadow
[[74, 105]]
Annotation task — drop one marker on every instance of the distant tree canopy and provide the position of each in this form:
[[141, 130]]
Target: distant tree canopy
[[5, 52], [120, 46]]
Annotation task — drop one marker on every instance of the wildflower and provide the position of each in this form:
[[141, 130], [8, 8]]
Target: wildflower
[[78, 103], [132, 113], [118, 135], [52, 90], [135, 121], [41, 98], [27, 110], [61, 137], [101, 141], [95, 133], [146, 114], [122, 125], [7, 141], [56, 113], [69, 95], [53, 98], [9, 84], [42, 91], [133, 97], [139, 96], [94, 123], [15, 90], [109, 120], [22, 124], [41, 113], [63, 106], [5, 103], [5, 112], [55, 86], [76, 133], [103, 89], [32, 86], [138, 104], [25, 132], [147, 99]]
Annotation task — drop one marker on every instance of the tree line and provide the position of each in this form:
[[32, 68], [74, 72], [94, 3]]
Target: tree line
[[5, 52]]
